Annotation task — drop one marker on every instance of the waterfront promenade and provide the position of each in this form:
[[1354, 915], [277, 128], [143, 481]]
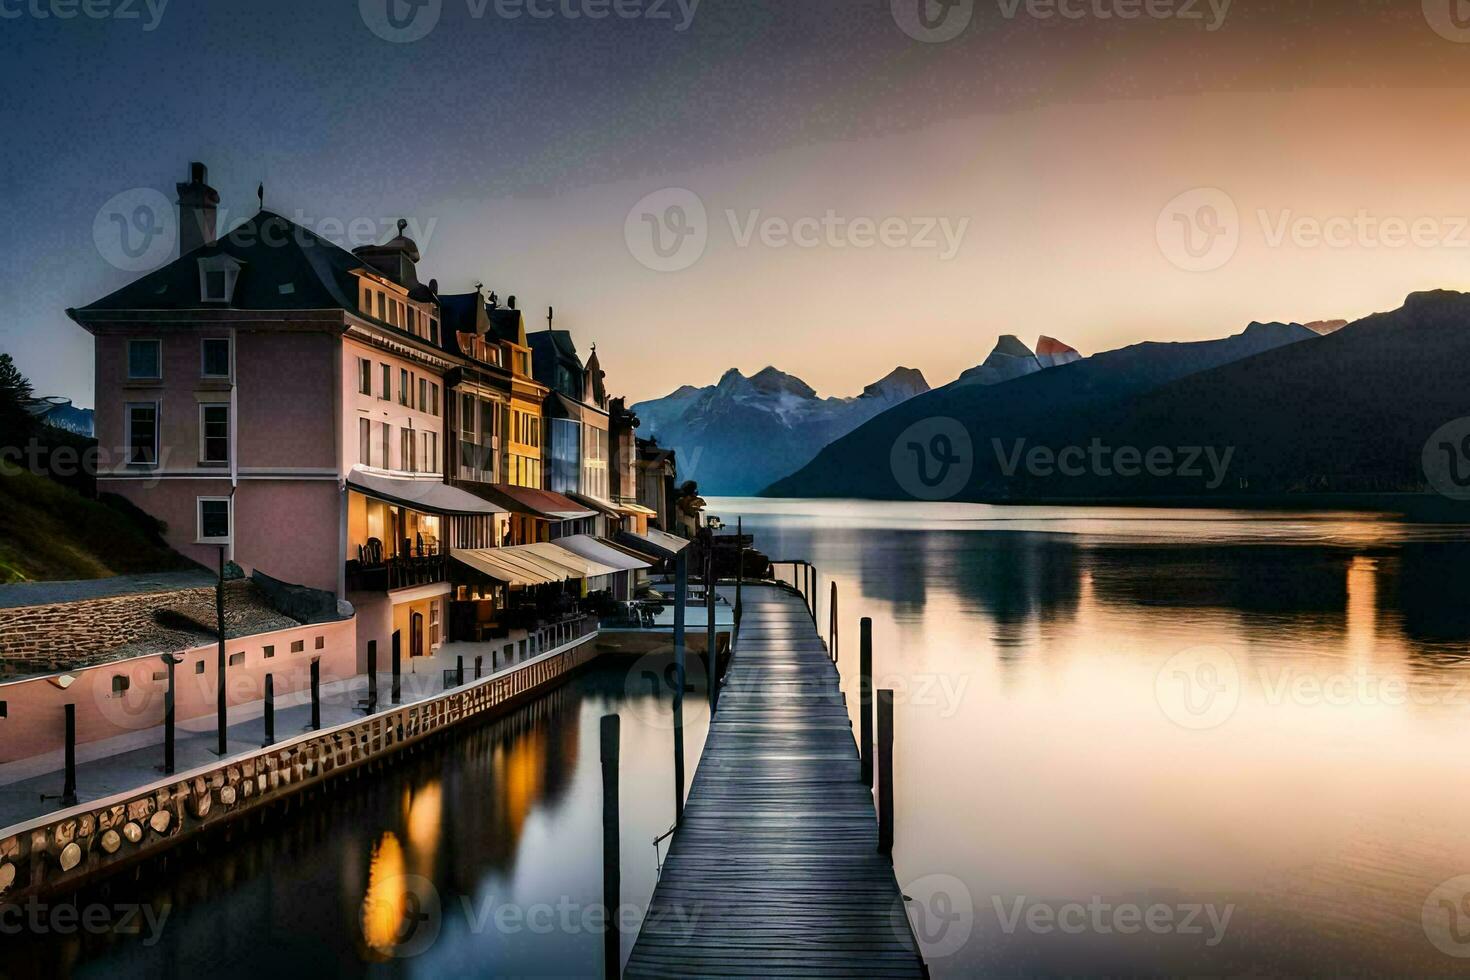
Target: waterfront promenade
[[775, 870]]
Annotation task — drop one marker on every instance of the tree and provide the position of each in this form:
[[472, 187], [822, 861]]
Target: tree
[[16, 399]]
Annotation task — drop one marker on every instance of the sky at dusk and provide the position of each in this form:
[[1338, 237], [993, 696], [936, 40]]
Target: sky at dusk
[[845, 197]]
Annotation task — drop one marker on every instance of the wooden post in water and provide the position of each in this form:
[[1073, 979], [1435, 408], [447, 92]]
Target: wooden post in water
[[270, 711], [712, 654], [459, 671], [219, 615], [739, 568], [397, 667], [865, 699], [885, 772], [316, 695], [612, 952], [69, 786], [681, 597], [372, 671], [168, 714], [832, 622]]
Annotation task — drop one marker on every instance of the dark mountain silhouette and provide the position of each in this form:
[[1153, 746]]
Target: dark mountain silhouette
[[858, 465]]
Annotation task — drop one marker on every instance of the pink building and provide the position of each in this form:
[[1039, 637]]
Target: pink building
[[274, 395]]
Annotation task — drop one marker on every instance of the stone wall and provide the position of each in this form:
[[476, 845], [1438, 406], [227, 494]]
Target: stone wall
[[70, 635]]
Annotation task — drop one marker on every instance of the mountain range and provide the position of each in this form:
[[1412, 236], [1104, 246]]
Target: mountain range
[[737, 436], [859, 463]]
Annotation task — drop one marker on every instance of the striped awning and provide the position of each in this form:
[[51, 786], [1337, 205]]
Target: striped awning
[[602, 551], [432, 496], [660, 544], [552, 551], [514, 566]]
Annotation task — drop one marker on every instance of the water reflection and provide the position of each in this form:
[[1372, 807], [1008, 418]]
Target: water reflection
[[450, 863], [1039, 768]]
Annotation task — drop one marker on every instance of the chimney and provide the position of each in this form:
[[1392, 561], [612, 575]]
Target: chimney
[[510, 301], [198, 206]]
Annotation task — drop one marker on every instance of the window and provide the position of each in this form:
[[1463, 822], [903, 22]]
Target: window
[[214, 356], [268, 653], [365, 442], [120, 684], [237, 659], [321, 643], [214, 520], [434, 400], [423, 394], [217, 277], [4, 709], [382, 306], [199, 667], [431, 452], [406, 447], [143, 434], [145, 360], [387, 383], [387, 434], [297, 646], [214, 433], [364, 376], [413, 321], [403, 386], [434, 330]]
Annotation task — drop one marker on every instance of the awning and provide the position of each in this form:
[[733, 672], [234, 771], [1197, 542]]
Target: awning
[[636, 510], [596, 503], [516, 566], [605, 552], [654, 542], [538, 503], [555, 552], [562, 407], [430, 496]]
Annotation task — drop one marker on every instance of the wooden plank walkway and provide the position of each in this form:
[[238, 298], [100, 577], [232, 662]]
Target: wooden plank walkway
[[776, 872]]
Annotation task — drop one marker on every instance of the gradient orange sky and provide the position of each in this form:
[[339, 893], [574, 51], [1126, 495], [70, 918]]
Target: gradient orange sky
[[1059, 141]]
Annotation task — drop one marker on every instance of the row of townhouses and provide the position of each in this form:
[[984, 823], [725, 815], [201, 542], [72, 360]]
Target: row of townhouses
[[329, 419]]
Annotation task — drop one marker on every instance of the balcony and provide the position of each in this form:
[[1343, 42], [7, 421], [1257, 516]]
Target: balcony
[[390, 574]]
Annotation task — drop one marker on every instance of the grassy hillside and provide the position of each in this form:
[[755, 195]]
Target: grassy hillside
[[48, 532]]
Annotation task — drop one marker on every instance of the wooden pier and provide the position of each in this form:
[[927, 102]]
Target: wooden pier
[[775, 871]]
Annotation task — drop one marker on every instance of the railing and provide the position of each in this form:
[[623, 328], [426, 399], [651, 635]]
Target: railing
[[397, 573]]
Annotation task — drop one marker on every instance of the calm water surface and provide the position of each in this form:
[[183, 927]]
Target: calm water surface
[[1110, 715], [492, 841]]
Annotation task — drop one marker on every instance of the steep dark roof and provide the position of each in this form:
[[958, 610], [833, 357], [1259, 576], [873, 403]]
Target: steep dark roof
[[505, 324], [283, 267]]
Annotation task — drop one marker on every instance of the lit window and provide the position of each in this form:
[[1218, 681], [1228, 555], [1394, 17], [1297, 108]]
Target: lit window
[[215, 357], [214, 520], [145, 360]]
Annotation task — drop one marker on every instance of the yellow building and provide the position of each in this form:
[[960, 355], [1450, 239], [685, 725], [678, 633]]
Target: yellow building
[[524, 434]]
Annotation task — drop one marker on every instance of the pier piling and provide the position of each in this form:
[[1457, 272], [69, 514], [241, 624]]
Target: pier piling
[[397, 667], [611, 844], [372, 672], [69, 786], [316, 695], [885, 772], [270, 708], [865, 699], [681, 597]]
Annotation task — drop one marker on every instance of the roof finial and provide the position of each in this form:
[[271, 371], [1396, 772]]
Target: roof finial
[[402, 224], [260, 193], [550, 316]]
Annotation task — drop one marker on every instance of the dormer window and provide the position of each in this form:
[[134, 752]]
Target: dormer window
[[217, 277]]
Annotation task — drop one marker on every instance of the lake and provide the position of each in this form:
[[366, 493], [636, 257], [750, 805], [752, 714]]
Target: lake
[[1162, 741]]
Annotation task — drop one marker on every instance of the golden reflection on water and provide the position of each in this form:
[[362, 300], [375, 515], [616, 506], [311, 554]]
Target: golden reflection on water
[[386, 901]]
